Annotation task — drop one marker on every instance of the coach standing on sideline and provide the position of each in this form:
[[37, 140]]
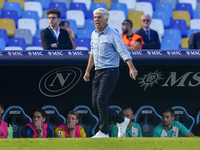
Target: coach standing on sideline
[[106, 46]]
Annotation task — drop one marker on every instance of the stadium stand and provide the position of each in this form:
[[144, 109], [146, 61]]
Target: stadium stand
[[84, 33], [13, 48], [108, 2], [79, 6], [129, 3], [34, 48], [34, 6], [43, 23], [44, 3], [184, 43], [21, 2], [13, 6], [183, 15], [2, 4], [146, 7], [24, 33], [2, 44], [11, 14], [191, 31], [37, 42], [120, 6], [87, 3], [27, 24], [185, 7], [83, 42], [8, 25], [17, 42], [98, 5], [195, 24], [60, 6], [78, 16], [135, 17], [4, 35]]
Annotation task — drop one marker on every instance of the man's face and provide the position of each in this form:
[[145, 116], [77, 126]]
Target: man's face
[[146, 21], [1, 111], [125, 27], [53, 19], [99, 21], [66, 26], [167, 119], [38, 119], [128, 114], [72, 119]]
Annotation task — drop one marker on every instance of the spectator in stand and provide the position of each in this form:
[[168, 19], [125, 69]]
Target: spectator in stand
[[65, 25], [193, 42], [131, 41], [150, 37]]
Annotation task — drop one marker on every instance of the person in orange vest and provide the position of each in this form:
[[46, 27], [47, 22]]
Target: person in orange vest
[[131, 41]]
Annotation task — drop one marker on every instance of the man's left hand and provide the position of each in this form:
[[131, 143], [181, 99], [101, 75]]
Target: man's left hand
[[54, 45], [133, 73]]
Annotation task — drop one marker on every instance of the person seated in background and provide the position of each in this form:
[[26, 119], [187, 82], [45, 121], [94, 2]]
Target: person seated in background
[[131, 41], [193, 42], [6, 130], [65, 25], [169, 127], [70, 129], [37, 128], [133, 129], [150, 37]]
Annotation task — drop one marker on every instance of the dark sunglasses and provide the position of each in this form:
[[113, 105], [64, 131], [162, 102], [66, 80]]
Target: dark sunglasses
[[147, 20], [124, 24]]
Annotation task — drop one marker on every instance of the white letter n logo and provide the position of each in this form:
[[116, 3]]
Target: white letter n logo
[[60, 78]]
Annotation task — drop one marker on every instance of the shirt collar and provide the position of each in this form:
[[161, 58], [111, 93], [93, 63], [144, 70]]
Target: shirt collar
[[105, 30], [54, 30], [146, 29]]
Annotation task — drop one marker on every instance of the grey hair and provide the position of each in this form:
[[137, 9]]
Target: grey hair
[[146, 15], [102, 11]]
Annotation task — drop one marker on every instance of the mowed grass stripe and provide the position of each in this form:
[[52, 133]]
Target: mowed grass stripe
[[102, 144]]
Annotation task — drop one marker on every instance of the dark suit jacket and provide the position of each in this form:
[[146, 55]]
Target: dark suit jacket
[[153, 43], [194, 41], [47, 38]]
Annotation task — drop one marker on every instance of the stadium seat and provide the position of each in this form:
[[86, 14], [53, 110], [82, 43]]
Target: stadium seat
[[10, 48], [8, 25], [195, 24], [98, 5], [184, 43], [21, 2], [90, 15], [35, 6], [184, 15], [44, 14], [44, 3], [164, 16], [172, 2], [31, 15], [119, 13], [2, 44], [37, 42], [147, 117], [87, 3], [4, 35], [81, 48], [60, 6], [43, 23], [108, 2], [11, 14], [13, 6], [120, 6], [129, 3], [79, 6], [135, 17], [185, 7], [24, 33], [87, 119], [196, 15], [17, 118], [166, 7], [192, 2], [34, 48], [37, 33], [54, 118], [83, 42], [27, 24], [115, 24], [183, 117], [191, 31], [169, 44], [146, 7], [157, 25], [67, 2], [198, 7], [153, 2], [17, 42], [171, 34], [84, 33], [2, 4], [89, 23], [78, 16], [179, 24]]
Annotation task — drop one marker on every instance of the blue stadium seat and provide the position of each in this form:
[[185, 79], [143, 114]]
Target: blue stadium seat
[[169, 44], [36, 42], [97, 5], [87, 119], [17, 118], [31, 15], [185, 7], [84, 42], [54, 118], [4, 35], [73, 25], [44, 3], [179, 24], [171, 34], [153, 2], [79, 6], [37, 33], [60, 6], [147, 117], [183, 117], [196, 15], [11, 14], [164, 16], [191, 31], [84, 33], [17, 42], [2, 44], [89, 24], [167, 7], [13, 6], [172, 2], [24, 33], [90, 15], [120, 6]]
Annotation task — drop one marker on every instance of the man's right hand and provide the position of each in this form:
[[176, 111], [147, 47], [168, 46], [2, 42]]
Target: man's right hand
[[86, 77]]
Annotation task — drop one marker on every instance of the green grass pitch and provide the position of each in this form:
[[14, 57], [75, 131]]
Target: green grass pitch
[[102, 144]]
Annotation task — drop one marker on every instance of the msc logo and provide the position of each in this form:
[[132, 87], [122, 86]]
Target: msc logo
[[59, 81]]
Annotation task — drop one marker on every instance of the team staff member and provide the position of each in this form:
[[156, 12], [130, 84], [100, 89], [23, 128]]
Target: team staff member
[[193, 42], [6, 130], [131, 41], [70, 129], [37, 128], [106, 47], [169, 127], [54, 37]]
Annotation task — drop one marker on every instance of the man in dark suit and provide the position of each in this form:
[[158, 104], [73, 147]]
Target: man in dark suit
[[53, 37], [194, 42], [150, 37]]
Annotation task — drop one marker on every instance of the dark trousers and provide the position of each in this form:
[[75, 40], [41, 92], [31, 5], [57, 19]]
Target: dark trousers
[[102, 87]]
